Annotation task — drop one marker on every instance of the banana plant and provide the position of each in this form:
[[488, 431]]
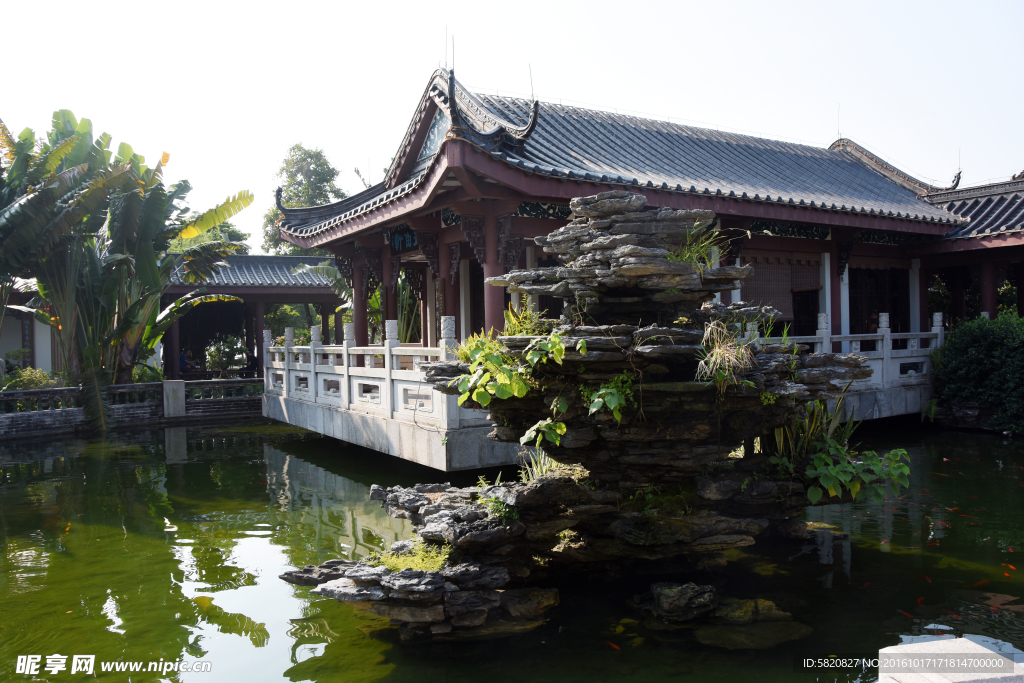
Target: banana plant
[[93, 227]]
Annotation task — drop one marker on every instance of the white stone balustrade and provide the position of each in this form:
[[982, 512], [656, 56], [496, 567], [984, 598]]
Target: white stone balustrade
[[324, 387]]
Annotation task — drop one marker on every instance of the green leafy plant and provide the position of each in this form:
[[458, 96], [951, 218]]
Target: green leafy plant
[[30, 378], [492, 372], [546, 429], [611, 395], [835, 468], [701, 247], [499, 510], [767, 398], [539, 350], [424, 557]]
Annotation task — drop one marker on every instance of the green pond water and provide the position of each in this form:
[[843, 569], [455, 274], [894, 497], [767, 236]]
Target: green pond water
[[157, 545]]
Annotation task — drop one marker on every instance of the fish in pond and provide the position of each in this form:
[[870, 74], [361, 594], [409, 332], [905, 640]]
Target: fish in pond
[[1007, 575], [1010, 566], [926, 578], [981, 584], [613, 645], [906, 614], [920, 601], [866, 584], [955, 616]]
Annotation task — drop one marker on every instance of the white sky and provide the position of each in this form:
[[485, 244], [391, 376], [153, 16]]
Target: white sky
[[226, 88]]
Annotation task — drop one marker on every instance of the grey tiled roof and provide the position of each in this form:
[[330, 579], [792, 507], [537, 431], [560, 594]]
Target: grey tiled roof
[[992, 209], [262, 271], [601, 146], [571, 143]]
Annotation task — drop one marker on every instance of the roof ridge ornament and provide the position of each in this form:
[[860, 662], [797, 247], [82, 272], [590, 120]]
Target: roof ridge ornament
[[473, 121]]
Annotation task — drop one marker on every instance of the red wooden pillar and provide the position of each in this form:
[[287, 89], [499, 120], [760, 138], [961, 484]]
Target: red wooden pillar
[[325, 323], [449, 267], [494, 297], [958, 295], [390, 297], [360, 318], [988, 288], [258, 323]]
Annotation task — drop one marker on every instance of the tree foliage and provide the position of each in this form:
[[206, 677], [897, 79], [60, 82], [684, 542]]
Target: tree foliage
[[982, 362], [308, 179]]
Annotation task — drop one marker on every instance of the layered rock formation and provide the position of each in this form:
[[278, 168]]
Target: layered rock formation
[[640, 313]]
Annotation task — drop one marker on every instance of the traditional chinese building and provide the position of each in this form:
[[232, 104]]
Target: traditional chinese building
[[836, 230], [843, 244]]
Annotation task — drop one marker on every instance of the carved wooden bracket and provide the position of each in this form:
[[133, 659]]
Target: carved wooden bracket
[[396, 268], [345, 269], [373, 271], [510, 246], [454, 258], [845, 251], [473, 229], [427, 242]]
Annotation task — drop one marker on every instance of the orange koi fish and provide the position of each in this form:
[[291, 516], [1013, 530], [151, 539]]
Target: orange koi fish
[[613, 645]]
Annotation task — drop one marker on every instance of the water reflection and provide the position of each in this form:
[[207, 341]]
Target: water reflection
[[166, 544]]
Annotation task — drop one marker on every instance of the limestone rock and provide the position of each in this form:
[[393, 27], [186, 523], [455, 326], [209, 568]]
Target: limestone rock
[[528, 603], [745, 611], [311, 575], [413, 580], [365, 575], [408, 613], [345, 590], [469, 574], [469, 601], [681, 602]]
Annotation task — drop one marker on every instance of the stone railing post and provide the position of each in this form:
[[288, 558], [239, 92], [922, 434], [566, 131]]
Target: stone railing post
[[289, 356], [883, 327], [448, 344], [824, 334], [268, 381], [390, 342], [314, 347], [751, 333], [938, 329], [349, 340], [447, 341]]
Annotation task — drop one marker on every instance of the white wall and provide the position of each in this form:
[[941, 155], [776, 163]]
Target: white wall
[[10, 335], [43, 351]]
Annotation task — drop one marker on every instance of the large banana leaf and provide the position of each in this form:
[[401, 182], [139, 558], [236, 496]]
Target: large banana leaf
[[216, 215]]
